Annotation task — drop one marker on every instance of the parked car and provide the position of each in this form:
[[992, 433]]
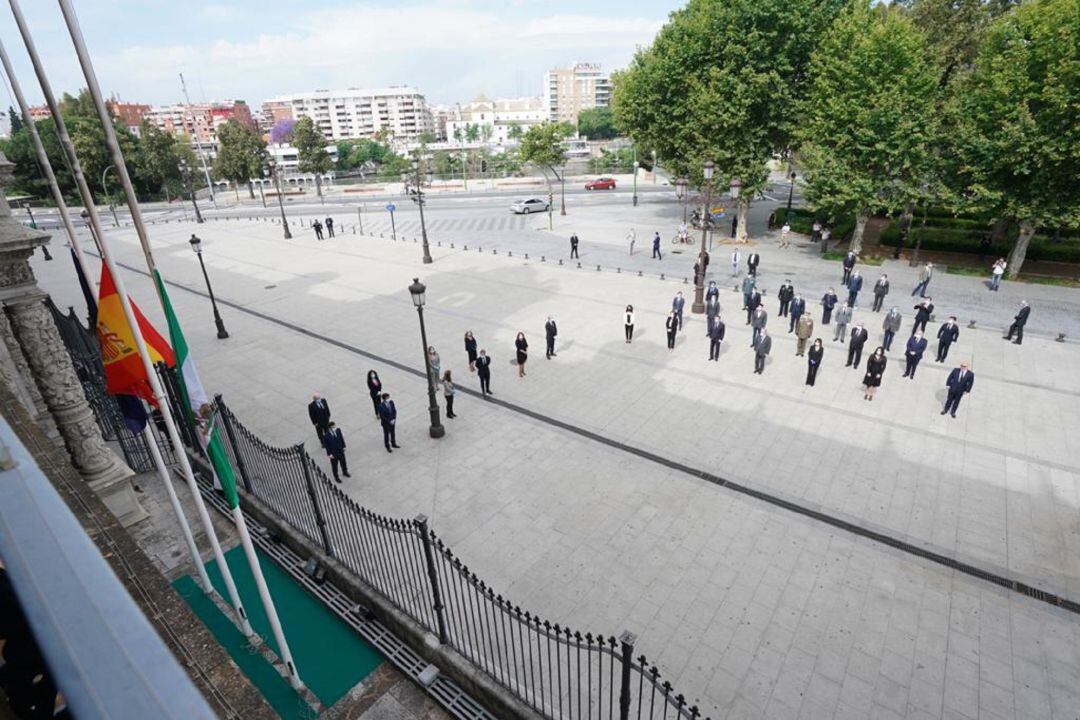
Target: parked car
[[604, 183], [529, 205]]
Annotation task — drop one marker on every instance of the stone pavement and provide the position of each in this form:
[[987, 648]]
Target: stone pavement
[[749, 609]]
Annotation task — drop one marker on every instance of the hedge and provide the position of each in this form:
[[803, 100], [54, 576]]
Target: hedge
[[802, 221], [962, 241]]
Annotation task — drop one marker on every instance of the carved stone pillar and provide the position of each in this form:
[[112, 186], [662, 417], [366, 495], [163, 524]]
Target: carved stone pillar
[[39, 343]]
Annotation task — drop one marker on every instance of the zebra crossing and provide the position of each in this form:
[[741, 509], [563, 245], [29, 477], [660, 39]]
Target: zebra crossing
[[447, 225]]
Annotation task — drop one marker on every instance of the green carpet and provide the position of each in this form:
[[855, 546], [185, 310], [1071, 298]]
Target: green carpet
[[329, 655]]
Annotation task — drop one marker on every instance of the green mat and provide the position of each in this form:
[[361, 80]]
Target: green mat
[[329, 655]]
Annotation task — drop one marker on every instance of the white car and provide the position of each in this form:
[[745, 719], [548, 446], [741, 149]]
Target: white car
[[529, 205]]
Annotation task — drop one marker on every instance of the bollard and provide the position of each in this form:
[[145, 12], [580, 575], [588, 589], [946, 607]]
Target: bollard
[[560, 261], [618, 271], [579, 266], [685, 281], [440, 243], [494, 251], [451, 246], [971, 324], [639, 274], [661, 276], [543, 259], [1060, 337], [526, 256], [464, 247], [510, 253], [597, 268]]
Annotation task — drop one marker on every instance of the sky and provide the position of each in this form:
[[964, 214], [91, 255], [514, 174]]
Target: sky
[[252, 50]]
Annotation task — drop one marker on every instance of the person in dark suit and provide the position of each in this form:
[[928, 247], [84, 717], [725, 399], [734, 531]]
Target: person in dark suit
[[828, 302], [959, 383], [748, 284], [677, 304], [854, 287], [330, 233], [335, 450], [317, 226], [470, 349], [1018, 323], [891, 326], [628, 323], [573, 245], [318, 411], [758, 322], [848, 263], [785, 295], [657, 255], [881, 289], [916, 346], [521, 346], [712, 310], [716, 336], [374, 386], [817, 350], [483, 371], [875, 368], [672, 326], [550, 331], [712, 292], [752, 304], [388, 418], [855, 346], [947, 334], [796, 310], [761, 351], [923, 311], [752, 262]]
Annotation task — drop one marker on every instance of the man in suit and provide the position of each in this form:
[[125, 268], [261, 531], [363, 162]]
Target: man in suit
[[712, 310], [757, 322], [797, 309], [849, 263], [858, 339], [1018, 323], [550, 331], [785, 294], [483, 371], [854, 286], [716, 335], [677, 304], [748, 284], [318, 411], [712, 292], [916, 346], [752, 304], [923, 312], [672, 327], [843, 317], [752, 261], [761, 351], [828, 302], [959, 383], [803, 330], [891, 326], [388, 418], [947, 334], [335, 450], [573, 245], [330, 232], [657, 255], [881, 289]]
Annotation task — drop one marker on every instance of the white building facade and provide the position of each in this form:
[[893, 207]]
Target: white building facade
[[493, 122], [568, 91], [400, 112]]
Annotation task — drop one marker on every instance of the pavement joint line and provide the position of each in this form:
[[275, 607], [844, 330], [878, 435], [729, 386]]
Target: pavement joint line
[[923, 550]]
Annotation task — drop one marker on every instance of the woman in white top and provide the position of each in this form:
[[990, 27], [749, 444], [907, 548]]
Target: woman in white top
[[736, 258], [628, 323], [997, 273]]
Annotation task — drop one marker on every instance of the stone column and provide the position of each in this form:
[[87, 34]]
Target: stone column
[[53, 373]]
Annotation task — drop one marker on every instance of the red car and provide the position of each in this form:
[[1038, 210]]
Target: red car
[[604, 183]]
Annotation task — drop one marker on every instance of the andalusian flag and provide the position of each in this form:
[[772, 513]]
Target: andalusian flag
[[124, 370], [198, 401]]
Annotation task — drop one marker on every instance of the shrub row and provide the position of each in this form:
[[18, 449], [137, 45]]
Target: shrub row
[[962, 241]]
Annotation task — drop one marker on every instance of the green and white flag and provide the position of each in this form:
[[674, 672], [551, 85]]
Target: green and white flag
[[198, 400]]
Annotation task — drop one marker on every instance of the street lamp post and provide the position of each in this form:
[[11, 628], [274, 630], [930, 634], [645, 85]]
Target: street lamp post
[[33, 223], [706, 220], [636, 166], [791, 192], [185, 172], [420, 204], [262, 195], [196, 245], [417, 290], [734, 189], [281, 203], [682, 191]]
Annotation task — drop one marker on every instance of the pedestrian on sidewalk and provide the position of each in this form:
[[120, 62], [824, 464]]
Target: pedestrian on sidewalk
[[752, 304], [631, 238], [854, 286], [916, 346], [483, 371], [785, 295], [672, 327], [761, 351], [959, 383], [925, 275], [656, 247], [803, 330], [628, 323], [849, 264], [374, 386], [734, 225], [573, 246], [521, 346], [436, 364], [891, 326], [797, 310], [813, 362], [550, 331], [828, 302], [1018, 323], [923, 312], [785, 235], [875, 368], [815, 231], [997, 273], [470, 350], [388, 419], [712, 292], [330, 226], [318, 229], [335, 450], [748, 284], [716, 336], [826, 233], [881, 289], [319, 413], [678, 303], [752, 261], [858, 339], [736, 258], [712, 309], [448, 393], [947, 334], [757, 323], [843, 317]]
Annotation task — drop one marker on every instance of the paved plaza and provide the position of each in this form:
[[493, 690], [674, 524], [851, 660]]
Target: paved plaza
[[550, 494]]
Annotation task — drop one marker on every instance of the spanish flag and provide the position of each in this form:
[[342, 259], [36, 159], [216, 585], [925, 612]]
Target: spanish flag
[[124, 372]]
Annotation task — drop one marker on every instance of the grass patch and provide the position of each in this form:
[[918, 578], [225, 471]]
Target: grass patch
[[1047, 280], [969, 271], [873, 260]]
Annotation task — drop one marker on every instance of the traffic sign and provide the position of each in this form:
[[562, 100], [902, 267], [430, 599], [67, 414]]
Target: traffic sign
[[391, 207]]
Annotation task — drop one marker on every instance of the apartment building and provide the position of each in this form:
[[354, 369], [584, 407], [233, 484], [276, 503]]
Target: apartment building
[[568, 91], [399, 111], [200, 121]]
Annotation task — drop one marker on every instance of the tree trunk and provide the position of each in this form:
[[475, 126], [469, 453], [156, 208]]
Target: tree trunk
[[1016, 258], [251, 189], [236, 190], [860, 226], [318, 184], [742, 233], [906, 218]]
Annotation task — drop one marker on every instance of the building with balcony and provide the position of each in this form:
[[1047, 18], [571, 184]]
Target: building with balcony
[[493, 122], [568, 91], [398, 112]]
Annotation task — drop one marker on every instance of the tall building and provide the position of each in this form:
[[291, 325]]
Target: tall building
[[494, 120], [130, 115], [274, 110], [200, 121], [399, 111], [568, 91]]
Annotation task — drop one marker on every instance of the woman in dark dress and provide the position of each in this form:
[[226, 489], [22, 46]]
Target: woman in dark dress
[[875, 368], [374, 386], [470, 348], [522, 353], [814, 362]]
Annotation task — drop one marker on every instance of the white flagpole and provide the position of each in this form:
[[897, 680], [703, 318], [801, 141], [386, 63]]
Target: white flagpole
[[136, 216], [129, 316]]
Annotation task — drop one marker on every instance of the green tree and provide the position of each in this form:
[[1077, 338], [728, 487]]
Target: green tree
[[311, 150], [241, 155], [515, 132], [868, 117], [472, 132], [597, 124], [955, 29], [720, 82], [1012, 130], [158, 160], [542, 146], [14, 121]]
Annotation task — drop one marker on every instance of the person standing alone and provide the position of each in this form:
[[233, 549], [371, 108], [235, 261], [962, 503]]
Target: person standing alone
[[521, 346], [1018, 323], [483, 371], [335, 450], [960, 382], [925, 275], [916, 346], [573, 245], [803, 330], [813, 362], [672, 327], [761, 351], [628, 323], [677, 304], [785, 295], [881, 289], [716, 336], [319, 414], [891, 326], [318, 229], [855, 346], [388, 419], [550, 331], [656, 247], [947, 334], [330, 226], [448, 393]]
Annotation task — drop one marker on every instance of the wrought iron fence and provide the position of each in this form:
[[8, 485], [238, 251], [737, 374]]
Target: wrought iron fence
[[557, 671]]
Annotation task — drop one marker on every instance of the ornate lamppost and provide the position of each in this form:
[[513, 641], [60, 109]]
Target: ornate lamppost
[[196, 245], [417, 290]]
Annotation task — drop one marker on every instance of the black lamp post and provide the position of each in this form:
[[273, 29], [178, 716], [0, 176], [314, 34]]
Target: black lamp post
[[196, 245], [706, 222], [791, 192], [423, 227], [185, 172], [417, 290], [734, 189], [281, 203], [682, 191]]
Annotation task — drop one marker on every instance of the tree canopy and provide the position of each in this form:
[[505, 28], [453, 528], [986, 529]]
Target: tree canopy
[[597, 123], [542, 146], [241, 154], [311, 150]]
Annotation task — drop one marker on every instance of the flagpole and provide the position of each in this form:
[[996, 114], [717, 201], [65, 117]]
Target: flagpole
[[129, 315], [133, 205], [43, 161]]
